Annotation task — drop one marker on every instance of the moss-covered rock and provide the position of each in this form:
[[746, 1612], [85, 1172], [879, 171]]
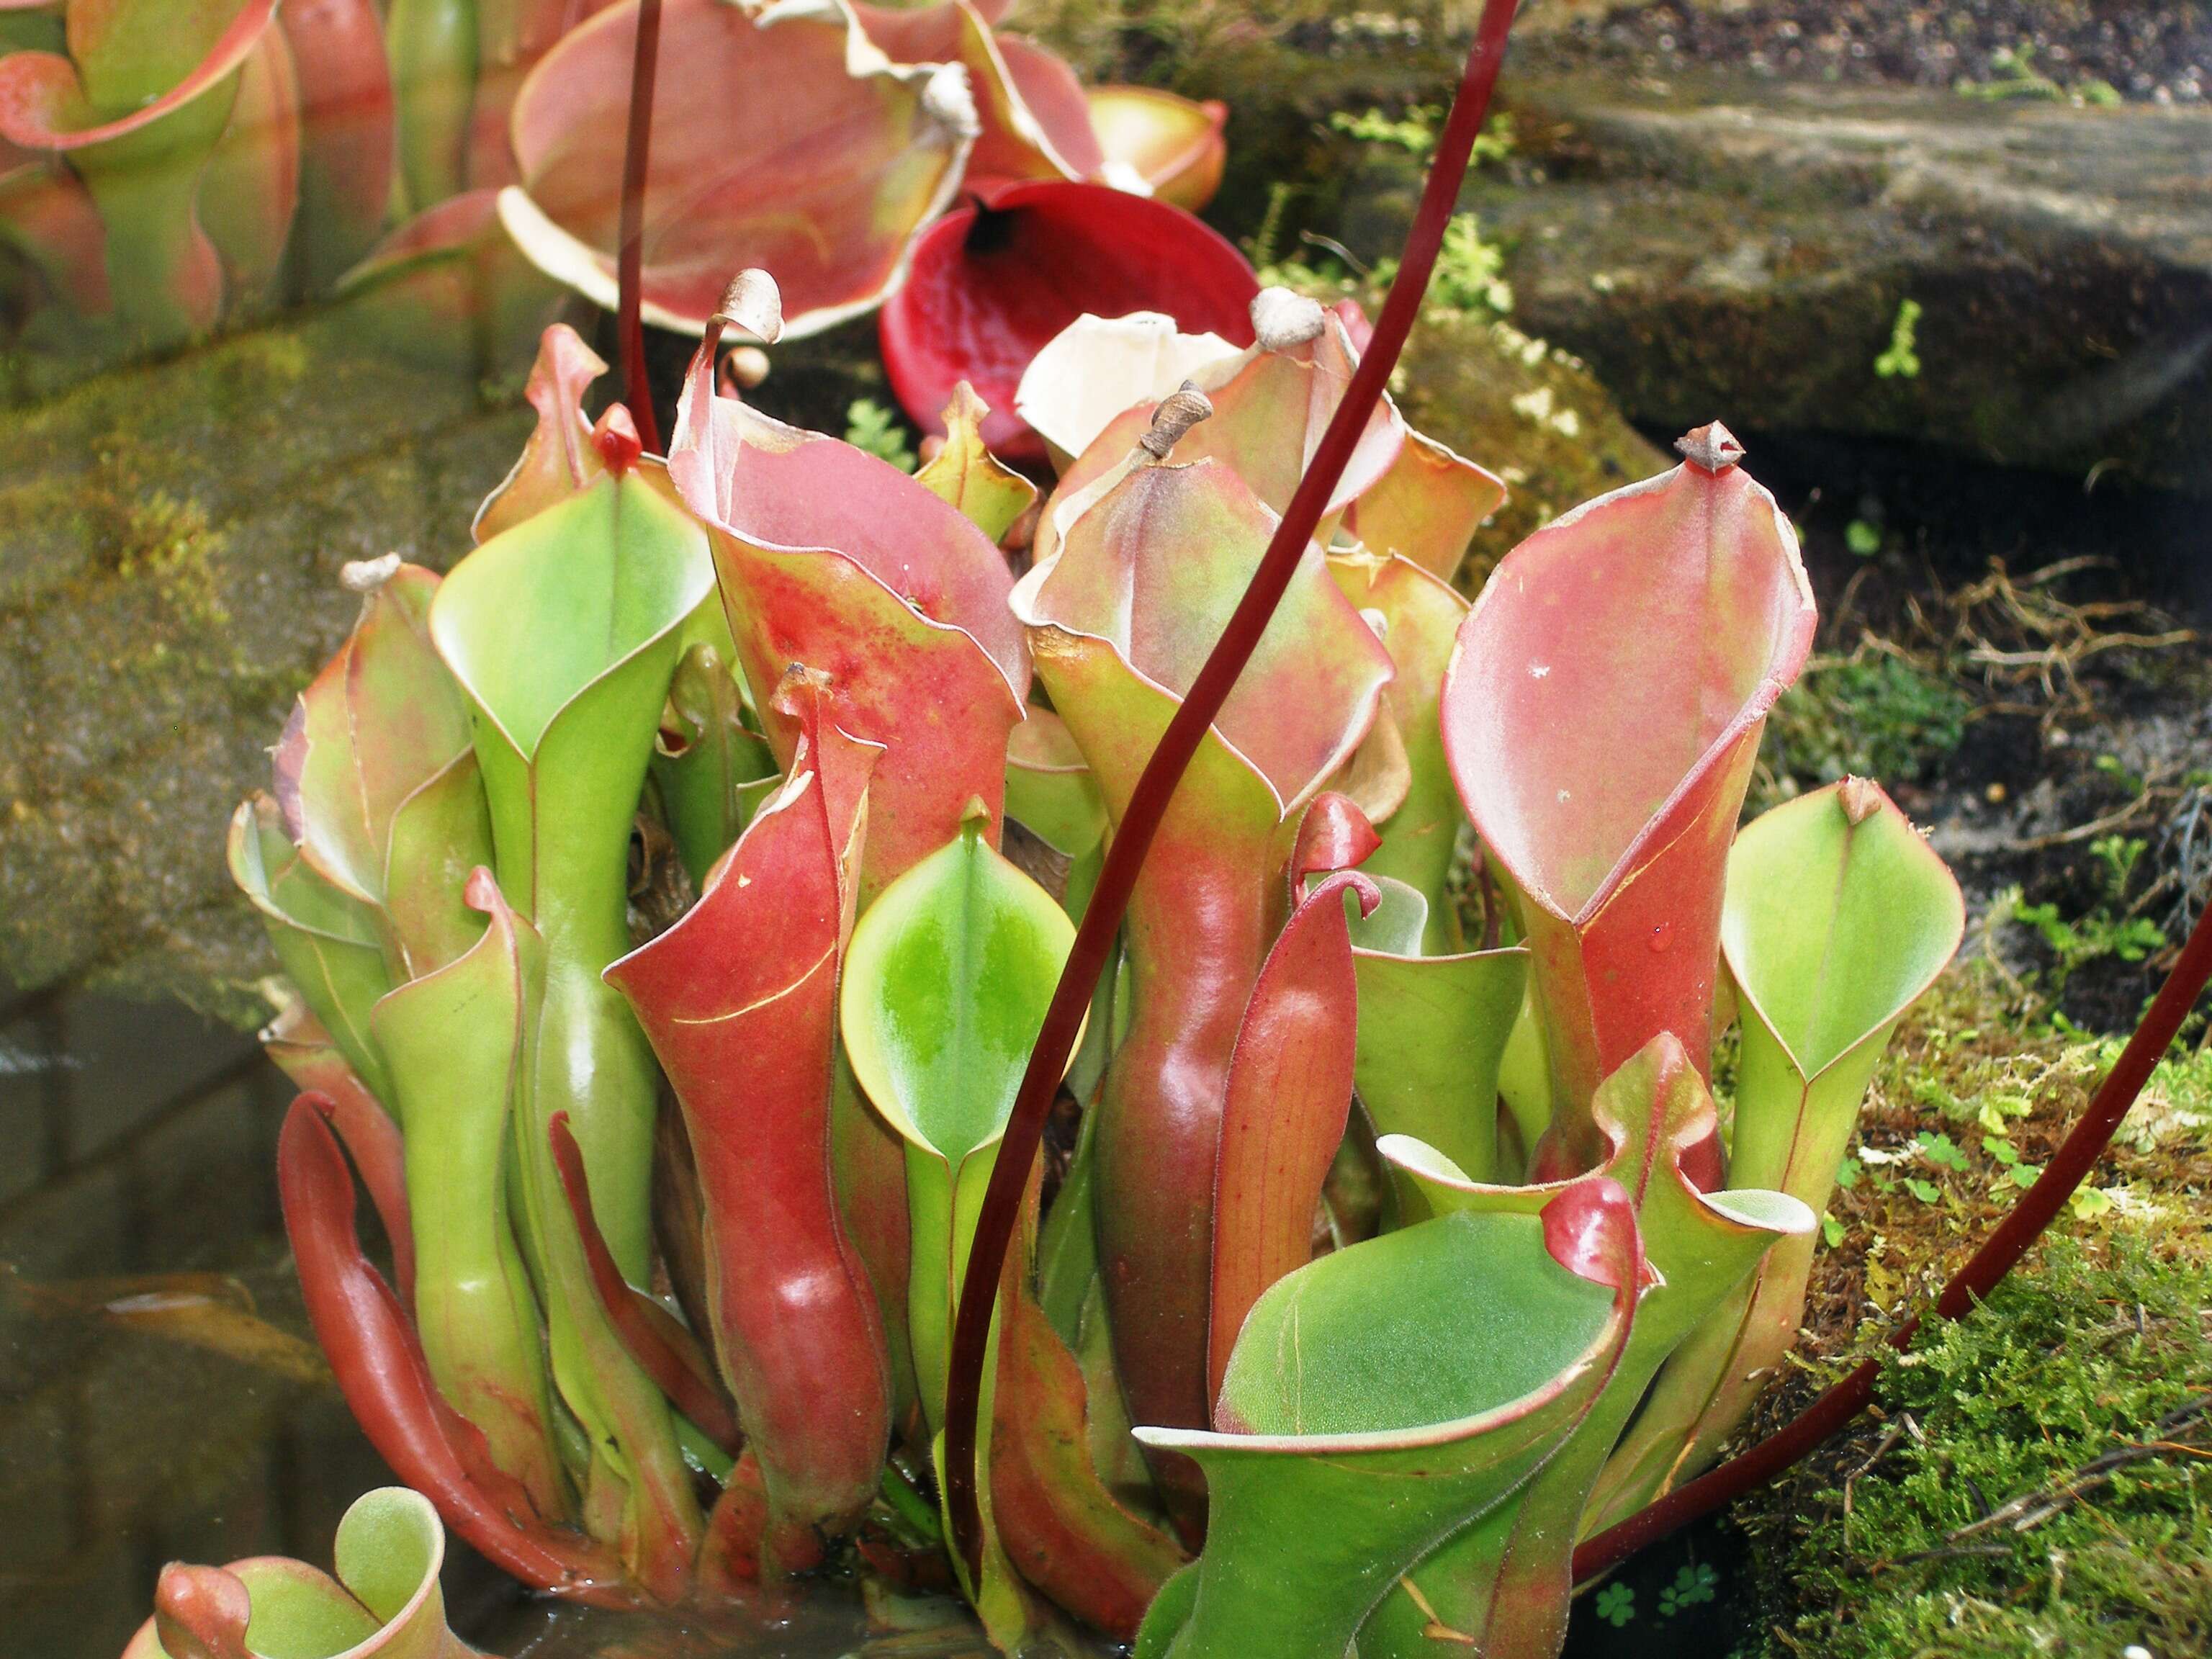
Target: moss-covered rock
[[172, 535], [1717, 244], [1525, 410]]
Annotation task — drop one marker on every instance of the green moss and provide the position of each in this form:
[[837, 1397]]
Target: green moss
[[1876, 715], [2020, 1410], [2014, 75], [2093, 1339], [1900, 358], [2074, 942], [171, 545]]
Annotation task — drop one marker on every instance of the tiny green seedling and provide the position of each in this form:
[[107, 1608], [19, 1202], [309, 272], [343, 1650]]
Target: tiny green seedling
[[1900, 360]]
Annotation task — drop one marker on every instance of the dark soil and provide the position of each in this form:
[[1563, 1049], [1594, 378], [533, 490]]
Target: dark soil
[[2146, 52], [1692, 1593], [1954, 515], [2124, 742]]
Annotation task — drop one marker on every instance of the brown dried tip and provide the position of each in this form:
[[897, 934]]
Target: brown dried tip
[[743, 368], [1711, 448], [1282, 319], [753, 303], [365, 577], [794, 689], [1180, 411], [1860, 797]]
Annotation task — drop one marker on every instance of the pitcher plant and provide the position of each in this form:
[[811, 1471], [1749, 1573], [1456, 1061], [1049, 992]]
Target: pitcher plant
[[668, 898]]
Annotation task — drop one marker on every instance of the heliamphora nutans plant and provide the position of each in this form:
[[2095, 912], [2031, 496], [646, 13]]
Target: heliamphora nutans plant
[[751, 791]]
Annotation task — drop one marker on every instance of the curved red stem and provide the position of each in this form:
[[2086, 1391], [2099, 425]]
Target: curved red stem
[[629, 253], [373, 1141], [664, 1350], [1998, 1254], [1148, 802], [380, 1369]]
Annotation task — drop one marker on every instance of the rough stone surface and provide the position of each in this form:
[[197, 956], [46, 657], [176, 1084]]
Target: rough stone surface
[[1528, 411], [1740, 247], [174, 534], [1531, 413]]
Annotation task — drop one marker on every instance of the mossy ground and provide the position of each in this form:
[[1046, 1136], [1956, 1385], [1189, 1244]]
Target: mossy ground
[[1879, 1547], [2004, 705], [2037, 1478]]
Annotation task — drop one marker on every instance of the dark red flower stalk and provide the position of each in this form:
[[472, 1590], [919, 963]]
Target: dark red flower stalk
[[630, 249], [1101, 918], [1998, 1254]]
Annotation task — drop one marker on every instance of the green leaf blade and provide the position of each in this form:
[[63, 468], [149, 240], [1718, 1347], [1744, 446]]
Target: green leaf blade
[[946, 985]]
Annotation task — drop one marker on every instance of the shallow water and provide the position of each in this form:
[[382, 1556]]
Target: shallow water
[[161, 1397], [158, 1398]]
